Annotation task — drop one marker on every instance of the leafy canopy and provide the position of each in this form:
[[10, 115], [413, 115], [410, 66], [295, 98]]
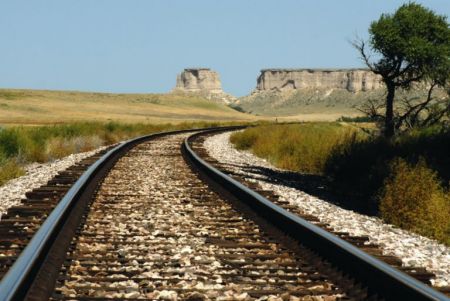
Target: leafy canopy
[[414, 43]]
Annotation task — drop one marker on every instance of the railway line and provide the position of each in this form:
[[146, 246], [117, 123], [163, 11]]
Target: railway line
[[149, 219]]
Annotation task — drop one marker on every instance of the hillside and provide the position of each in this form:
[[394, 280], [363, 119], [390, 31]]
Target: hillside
[[44, 107], [312, 103]]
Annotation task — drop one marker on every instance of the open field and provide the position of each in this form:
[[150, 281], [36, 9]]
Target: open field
[[66, 122], [48, 107], [21, 145]]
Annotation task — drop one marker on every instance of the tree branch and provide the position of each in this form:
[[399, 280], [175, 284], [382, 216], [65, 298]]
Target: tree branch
[[360, 45]]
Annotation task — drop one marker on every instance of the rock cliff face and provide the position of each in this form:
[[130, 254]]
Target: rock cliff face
[[352, 80], [199, 80], [202, 81]]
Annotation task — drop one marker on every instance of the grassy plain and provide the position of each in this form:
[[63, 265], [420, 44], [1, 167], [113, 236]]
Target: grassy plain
[[38, 107], [20, 145], [40, 126]]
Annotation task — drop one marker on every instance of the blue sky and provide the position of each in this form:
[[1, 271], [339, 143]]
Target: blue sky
[[140, 45]]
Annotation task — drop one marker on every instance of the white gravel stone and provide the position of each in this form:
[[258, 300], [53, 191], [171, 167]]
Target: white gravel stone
[[414, 250], [36, 175]]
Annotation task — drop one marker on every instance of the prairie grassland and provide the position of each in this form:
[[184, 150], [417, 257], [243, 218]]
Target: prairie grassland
[[20, 145], [89, 120], [36, 107]]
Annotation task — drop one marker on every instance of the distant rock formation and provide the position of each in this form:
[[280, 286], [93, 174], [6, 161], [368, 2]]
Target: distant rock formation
[[202, 81], [352, 80], [199, 79], [331, 92]]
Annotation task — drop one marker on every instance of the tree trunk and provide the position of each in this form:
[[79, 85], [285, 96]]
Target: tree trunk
[[389, 126]]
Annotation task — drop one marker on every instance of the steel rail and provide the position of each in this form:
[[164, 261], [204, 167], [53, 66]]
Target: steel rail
[[19, 278], [380, 278]]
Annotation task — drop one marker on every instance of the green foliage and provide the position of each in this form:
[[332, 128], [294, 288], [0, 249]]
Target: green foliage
[[9, 143], [413, 45], [237, 108], [356, 119], [414, 37], [20, 145], [358, 169], [413, 199], [245, 139], [298, 147]]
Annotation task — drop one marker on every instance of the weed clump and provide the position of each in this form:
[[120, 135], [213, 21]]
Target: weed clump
[[413, 199], [9, 168], [245, 139]]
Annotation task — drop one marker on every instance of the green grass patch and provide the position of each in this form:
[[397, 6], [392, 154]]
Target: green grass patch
[[298, 147], [21, 145]]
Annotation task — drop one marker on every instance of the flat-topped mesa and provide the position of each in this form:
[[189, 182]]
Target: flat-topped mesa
[[202, 81], [199, 80], [352, 80]]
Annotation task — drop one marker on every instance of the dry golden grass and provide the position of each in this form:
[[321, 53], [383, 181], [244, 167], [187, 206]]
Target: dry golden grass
[[299, 147], [49, 107], [317, 117]]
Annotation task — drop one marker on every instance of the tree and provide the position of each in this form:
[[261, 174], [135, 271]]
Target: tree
[[413, 45]]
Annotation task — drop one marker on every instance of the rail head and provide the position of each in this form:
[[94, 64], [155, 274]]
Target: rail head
[[379, 277], [17, 280]]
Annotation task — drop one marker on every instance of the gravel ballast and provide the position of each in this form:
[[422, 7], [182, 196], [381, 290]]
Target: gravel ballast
[[37, 174], [414, 250], [155, 231]]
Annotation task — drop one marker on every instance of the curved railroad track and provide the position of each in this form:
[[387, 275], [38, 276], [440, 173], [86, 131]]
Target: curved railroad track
[[149, 219]]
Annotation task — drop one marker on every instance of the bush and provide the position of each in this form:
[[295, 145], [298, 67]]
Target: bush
[[413, 199], [358, 168], [356, 119]]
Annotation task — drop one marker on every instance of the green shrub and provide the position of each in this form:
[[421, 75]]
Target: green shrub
[[413, 199], [358, 168], [356, 119]]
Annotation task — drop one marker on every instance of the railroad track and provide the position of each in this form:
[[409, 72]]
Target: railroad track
[[151, 220]]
